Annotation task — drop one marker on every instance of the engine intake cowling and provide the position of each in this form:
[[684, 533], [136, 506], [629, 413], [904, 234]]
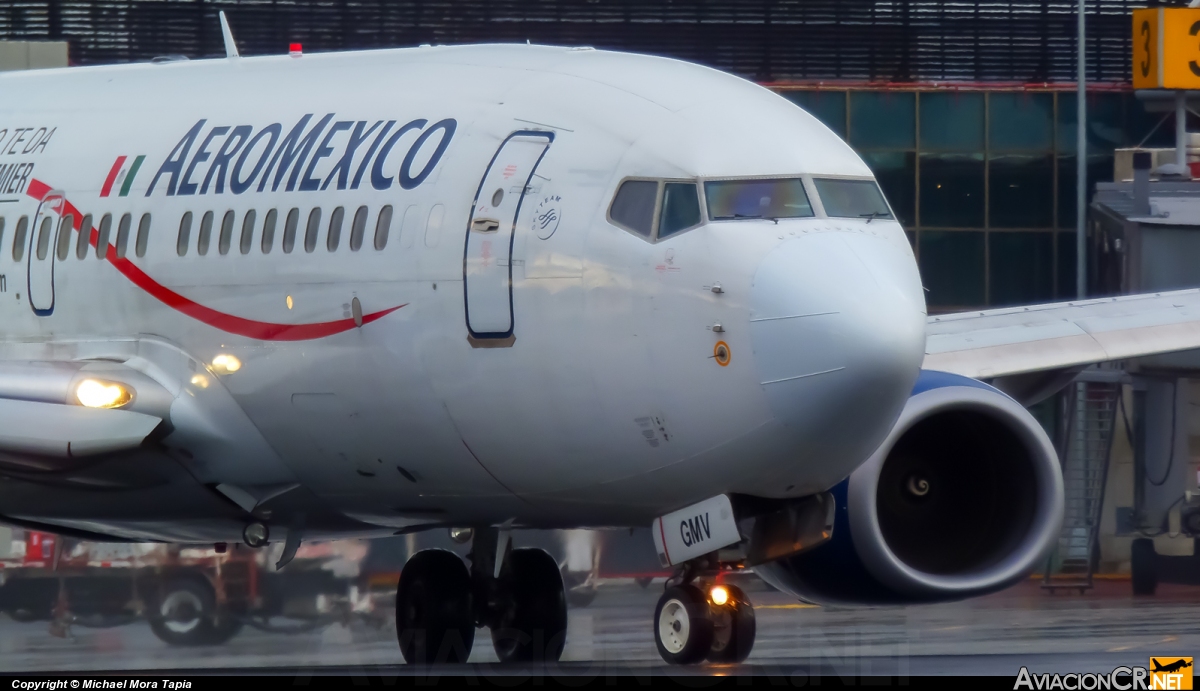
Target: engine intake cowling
[[963, 498]]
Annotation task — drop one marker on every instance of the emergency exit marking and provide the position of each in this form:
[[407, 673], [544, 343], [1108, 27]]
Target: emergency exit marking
[[1166, 48]]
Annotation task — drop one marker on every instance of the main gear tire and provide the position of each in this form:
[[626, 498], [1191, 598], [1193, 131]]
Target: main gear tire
[[533, 622], [434, 617]]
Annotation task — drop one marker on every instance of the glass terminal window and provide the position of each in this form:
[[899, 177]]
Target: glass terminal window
[[852, 198], [772, 198]]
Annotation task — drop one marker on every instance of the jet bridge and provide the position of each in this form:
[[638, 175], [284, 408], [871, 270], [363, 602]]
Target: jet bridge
[[1144, 237]]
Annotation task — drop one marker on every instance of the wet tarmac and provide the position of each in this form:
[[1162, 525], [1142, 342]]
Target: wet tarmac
[[1095, 632]]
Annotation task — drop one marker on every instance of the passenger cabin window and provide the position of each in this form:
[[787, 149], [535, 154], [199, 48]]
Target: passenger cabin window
[[19, 238], [247, 232], [43, 238], [65, 226], [852, 198], [313, 228], [335, 229], [633, 207], [85, 237], [102, 238], [143, 236], [773, 199], [680, 208], [268, 235], [226, 236], [383, 226], [185, 234], [206, 224], [289, 230], [123, 229], [357, 228]]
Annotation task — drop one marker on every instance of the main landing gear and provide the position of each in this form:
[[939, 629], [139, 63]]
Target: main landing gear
[[697, 620], [440, 602]]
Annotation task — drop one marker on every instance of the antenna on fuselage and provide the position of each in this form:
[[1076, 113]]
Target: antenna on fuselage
[[230, 47]]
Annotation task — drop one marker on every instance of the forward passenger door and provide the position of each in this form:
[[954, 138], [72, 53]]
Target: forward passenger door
[[487, 257]]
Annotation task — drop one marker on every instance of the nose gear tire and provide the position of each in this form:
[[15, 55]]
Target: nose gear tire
[[683, 626], [434, 620], [533, 625], [733, 629]]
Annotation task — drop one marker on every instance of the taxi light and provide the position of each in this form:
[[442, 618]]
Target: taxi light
[[719, 595], [226, 363], [98, 394], [199, 380]]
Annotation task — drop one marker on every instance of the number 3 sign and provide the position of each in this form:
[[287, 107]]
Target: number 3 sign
[[1166, 48]]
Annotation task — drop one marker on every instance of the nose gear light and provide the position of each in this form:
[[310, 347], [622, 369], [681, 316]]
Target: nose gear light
[[719, 595]]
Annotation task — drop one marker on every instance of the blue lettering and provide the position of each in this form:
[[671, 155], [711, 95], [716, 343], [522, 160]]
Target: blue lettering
[[202, 155], [236, 184], [685, 533], [342, 167], [308, 184], [293, 149], [362, 167], [409, 181], [233, 142], [173, 166], [378, 180]]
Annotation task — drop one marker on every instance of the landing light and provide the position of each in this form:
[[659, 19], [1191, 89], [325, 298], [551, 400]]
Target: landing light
[[224, 364], [719, 595], [97, 394]]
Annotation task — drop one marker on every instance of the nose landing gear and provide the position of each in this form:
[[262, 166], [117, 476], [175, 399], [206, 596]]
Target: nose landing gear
[[695, 622]]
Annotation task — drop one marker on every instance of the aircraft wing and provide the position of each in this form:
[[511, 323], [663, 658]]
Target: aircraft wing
[[1018, 340]]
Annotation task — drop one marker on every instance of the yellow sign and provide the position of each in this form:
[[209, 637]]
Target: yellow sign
[[1166, 48], [1171, 672]]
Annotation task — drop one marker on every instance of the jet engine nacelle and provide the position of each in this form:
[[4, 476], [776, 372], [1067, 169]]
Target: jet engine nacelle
[[963, 498]]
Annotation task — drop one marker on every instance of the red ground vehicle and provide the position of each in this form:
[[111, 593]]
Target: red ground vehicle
[[189, 595]]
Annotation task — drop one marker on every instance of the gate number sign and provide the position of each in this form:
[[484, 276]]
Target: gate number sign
[[1166, 48]]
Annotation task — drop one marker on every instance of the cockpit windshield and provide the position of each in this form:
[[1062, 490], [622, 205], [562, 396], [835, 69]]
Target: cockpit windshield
[[772, 199], [852, 198]]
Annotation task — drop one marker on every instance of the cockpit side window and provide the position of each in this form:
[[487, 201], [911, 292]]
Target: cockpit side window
[[730, 200], [852, 198], [633, 207], [680, 208]]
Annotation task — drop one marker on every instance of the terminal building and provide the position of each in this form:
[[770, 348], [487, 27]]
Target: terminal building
[[966, 111]]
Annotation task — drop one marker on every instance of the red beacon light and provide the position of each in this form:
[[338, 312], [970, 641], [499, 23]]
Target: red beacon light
[[295, 50]]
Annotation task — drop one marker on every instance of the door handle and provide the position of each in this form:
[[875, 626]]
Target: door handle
[[485, 225]]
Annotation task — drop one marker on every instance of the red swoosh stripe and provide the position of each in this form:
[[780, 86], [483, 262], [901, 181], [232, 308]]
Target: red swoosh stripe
[[265, 331], [112, 177]]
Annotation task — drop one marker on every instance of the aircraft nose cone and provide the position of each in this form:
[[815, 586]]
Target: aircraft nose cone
[[838, 329]]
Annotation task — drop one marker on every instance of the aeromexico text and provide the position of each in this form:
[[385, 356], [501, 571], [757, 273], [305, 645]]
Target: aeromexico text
[[240, 158]]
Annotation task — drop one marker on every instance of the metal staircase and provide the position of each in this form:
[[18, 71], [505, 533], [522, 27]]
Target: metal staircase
[[1089, 412]]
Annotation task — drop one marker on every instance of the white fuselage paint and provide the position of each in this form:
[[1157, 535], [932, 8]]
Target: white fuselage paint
[[607, 407]]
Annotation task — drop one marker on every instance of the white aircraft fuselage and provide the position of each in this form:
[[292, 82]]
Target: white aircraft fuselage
[[555, 370]]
